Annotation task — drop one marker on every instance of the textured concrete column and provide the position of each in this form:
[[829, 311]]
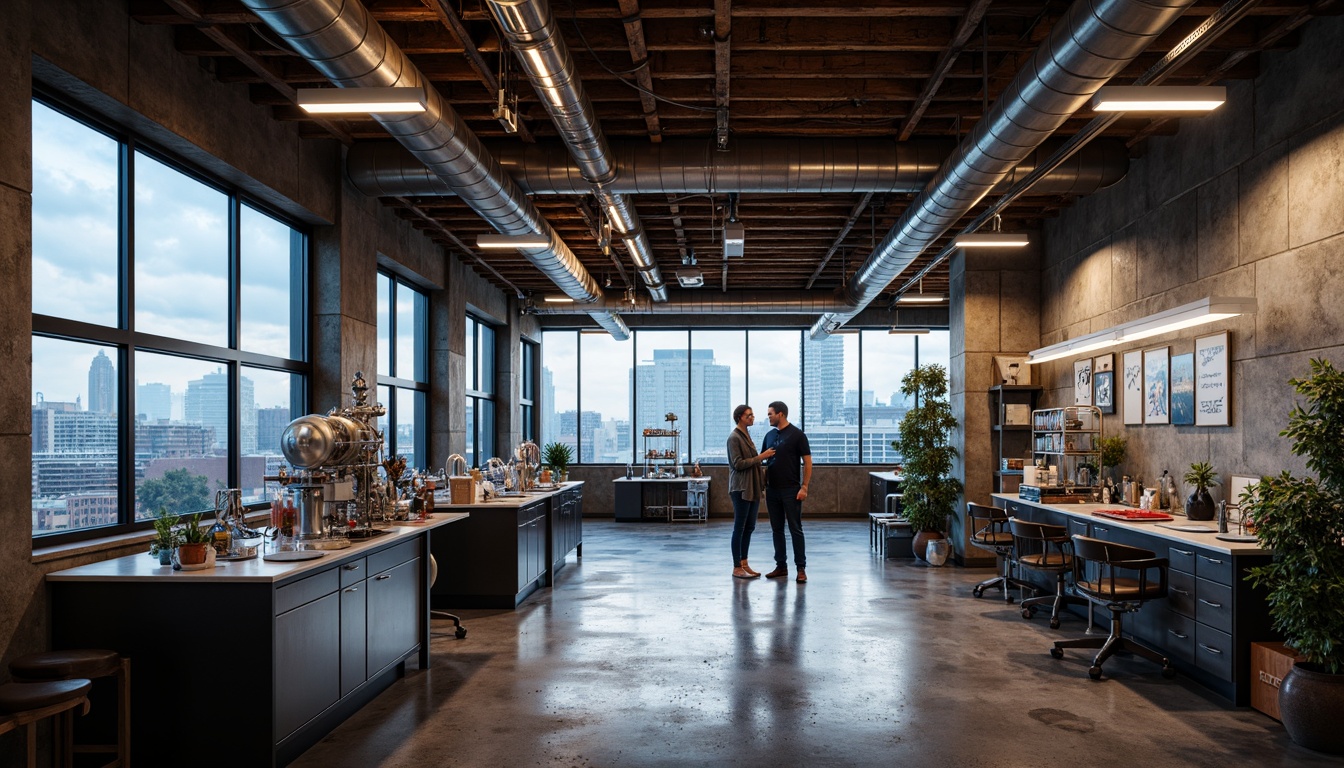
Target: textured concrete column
[[995, 310]]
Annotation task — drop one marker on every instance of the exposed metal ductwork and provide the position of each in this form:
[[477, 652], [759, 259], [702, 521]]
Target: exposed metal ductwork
[[679, 166], [348, 47], [1092, 43], [531, 30], [713, 302]]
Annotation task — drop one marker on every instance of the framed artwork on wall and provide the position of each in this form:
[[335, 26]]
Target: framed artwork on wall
[[1213, 390], [1012, 369], [1103, 363], [1183, 389], [1157, 386], [1082, 382], [1103, 391], [1133, 387]]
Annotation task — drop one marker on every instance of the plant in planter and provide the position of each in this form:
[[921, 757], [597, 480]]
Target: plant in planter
[[1302, 520], [1199, 506], [557, 456], [1112, 453], [925, 445], [192, 540], [165, 537]]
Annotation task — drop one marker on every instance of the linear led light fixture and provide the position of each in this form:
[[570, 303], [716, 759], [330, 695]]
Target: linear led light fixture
[[378, 101], [558, 299], [907, 331], [991, 240], [922, 298], [1158, 98], [512, 241], [1207, 310]]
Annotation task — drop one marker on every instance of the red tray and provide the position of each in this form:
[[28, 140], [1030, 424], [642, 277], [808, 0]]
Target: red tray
[[1134, 515]]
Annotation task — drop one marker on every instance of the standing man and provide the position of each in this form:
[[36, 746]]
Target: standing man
[[786, 488]]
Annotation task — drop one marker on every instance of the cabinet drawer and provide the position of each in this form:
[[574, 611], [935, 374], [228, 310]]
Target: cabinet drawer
[[1182, 559], [1213, 651], [1178, 637], [1213, 604], [353, 572], [291, 596], [530, 512], [1078, 528], [1181, 595], [1214, 566], [393, 556], [1017, 510]]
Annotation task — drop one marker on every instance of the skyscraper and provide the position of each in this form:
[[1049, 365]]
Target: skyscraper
[[102, 384], [207, 404], [154, 401], [823, 381], [662, 387]]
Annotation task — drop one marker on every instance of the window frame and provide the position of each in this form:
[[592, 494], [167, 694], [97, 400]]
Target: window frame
[[127, 341], [397, 383], [479, 399]]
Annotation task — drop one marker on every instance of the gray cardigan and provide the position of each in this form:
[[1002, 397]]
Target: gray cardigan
[[745, 472]]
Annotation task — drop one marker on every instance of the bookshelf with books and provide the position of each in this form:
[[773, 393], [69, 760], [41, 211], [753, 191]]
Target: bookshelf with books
[[1010, 416]]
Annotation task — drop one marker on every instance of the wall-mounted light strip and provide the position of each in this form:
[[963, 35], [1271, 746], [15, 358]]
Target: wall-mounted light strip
[[512, 241], [378, 101], [991, 240], [1158, 98], [907, 331], [1207, 310]]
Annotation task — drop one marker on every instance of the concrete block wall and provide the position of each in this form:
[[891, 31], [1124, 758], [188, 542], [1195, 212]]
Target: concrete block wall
[[1247, 201]]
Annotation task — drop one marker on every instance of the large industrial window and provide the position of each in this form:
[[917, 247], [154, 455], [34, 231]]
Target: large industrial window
[[527, 390], [403, 368], [599, 395], [480, 392], [169, 341]]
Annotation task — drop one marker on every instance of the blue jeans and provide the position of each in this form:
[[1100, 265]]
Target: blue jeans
[[744, 522], [785, 507]]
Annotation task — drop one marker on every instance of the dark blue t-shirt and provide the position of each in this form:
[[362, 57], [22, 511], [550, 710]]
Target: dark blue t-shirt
[[784, 470]]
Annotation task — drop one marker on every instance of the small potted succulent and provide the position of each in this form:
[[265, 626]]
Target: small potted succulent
[[193, 540], [557, 456], [165, 536], [1199, 505]]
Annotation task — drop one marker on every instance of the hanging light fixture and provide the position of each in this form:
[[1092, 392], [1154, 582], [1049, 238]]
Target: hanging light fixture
[[921, 297], [378, 101], [512, 241], [991, 239], [1158, 98]]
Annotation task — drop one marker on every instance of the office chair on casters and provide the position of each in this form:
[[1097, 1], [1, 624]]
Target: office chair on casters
[[1116, 577], [1047, 549], [989, 531], [460, 631]]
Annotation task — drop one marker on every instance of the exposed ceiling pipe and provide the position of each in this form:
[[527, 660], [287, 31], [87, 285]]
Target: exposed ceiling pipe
[[542, 53], [680, 166], [1092, 43], [348, 47], [777, 302]]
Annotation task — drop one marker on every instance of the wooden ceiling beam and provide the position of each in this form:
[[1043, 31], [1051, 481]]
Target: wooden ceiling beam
[[449, 19], [639, 56], [974, 13]]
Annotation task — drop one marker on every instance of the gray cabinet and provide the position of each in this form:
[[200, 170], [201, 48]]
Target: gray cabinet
[[494, 559], [354, 621], [307, 662], [566, 525], [394, 604]]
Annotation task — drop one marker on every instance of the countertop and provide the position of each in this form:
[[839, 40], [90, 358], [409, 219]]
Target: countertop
[[704, 478], [892, 476], [142, 566], [1205, 540], [511, 502]]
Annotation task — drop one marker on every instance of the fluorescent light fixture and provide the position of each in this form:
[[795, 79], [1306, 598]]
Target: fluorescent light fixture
[[922, 298], [378, 101], [908, 331], [558, 299], [690, 278], [1207, 310], [990, 240], [512, 241], [1158, 98]]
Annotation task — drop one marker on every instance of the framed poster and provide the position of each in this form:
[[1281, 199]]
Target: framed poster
[[1103, 391], [1133, 387], [1212, 388], [1082, 382], [1157, 386], [1103, 363], [1183, 389], [1011, 369]]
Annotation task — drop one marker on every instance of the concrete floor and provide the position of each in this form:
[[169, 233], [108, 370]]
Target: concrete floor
[[648, 653]]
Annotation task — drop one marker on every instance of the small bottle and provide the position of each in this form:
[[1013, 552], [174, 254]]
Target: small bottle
[[220, 537], [1173, 496]]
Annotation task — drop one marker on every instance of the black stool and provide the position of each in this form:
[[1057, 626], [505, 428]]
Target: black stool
[[1045, 548], [90, 664], [989, 531], [25, 704]]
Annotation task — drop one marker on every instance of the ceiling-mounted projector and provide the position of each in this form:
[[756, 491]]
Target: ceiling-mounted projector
[[690, 278], [734, 239]]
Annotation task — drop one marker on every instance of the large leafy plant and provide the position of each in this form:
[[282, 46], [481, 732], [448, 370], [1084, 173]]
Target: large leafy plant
[[925, 446], [1302, 520]]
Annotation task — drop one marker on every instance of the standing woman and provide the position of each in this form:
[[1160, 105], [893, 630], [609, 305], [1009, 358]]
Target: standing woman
[[746, 487]]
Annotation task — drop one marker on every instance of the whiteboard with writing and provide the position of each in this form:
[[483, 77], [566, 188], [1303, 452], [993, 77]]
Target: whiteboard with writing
[[1212, 390]]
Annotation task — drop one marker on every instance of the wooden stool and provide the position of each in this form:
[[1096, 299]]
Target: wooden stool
[[24, 704], [91, 664]]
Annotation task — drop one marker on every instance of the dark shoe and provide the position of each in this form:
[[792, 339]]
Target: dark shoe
[[775, 574], [802, 577]]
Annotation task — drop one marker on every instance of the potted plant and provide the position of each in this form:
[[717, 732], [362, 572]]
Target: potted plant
[[557, 456], [1112, 453], [192, 541], [1199, 505], [924, 443], [1301, 519], [165, 537]]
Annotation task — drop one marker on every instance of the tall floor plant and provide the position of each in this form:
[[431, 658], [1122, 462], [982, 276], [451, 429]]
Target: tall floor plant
[[925, 446]]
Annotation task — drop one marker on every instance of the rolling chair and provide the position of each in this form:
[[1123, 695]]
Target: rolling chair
[[989, 531], [1119, 578], [1045, 548], [459, 631]]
